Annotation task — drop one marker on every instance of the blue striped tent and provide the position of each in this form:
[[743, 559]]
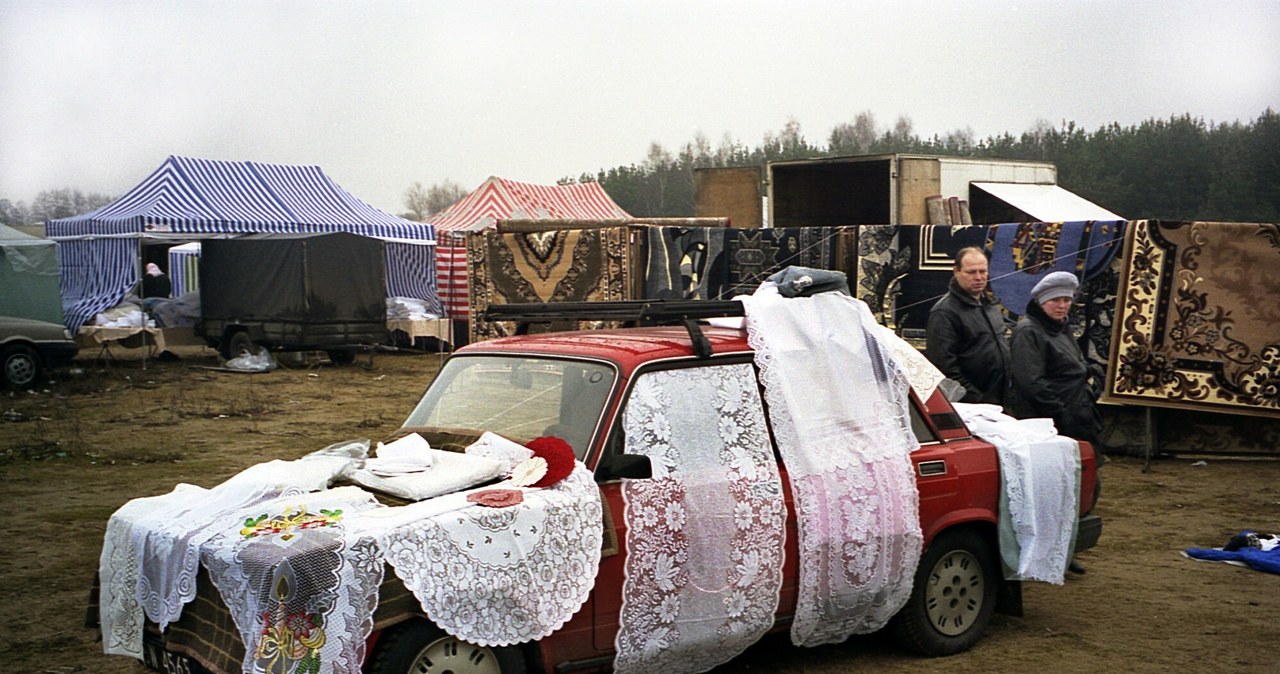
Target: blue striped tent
[[189, 199]]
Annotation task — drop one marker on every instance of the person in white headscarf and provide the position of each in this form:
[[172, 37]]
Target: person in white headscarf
[[156, 283]]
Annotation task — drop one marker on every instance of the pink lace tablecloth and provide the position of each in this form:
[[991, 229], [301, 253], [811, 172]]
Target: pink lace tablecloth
[[838, 406]]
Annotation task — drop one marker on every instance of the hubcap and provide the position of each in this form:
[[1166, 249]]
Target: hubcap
[[20, 370], [448, 655], [955, 592]]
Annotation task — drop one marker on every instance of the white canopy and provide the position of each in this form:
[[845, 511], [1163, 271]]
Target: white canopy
[[1046, 203]]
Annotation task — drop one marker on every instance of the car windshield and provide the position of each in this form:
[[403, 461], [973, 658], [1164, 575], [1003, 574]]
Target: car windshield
[[518, 397]]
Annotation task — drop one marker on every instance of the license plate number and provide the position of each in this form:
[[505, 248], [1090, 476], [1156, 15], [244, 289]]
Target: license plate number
[[157, 658]]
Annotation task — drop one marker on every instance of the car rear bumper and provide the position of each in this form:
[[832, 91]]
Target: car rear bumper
[[1088, 532]]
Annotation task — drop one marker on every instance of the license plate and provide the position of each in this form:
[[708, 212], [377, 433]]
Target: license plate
[[157, 658]]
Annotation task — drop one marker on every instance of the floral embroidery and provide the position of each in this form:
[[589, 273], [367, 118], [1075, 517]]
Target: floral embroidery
[[285, 525]]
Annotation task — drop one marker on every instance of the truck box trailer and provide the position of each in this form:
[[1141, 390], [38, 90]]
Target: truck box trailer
[[884, 189]]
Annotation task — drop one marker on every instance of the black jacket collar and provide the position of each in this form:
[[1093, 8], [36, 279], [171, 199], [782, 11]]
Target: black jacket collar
[[968, 298], [1037, 314]]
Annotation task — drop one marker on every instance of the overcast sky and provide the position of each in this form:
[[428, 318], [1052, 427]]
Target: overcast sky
[[96, 94]]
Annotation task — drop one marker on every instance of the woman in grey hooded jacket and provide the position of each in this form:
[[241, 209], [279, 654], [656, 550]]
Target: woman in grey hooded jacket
[[1050, 373]]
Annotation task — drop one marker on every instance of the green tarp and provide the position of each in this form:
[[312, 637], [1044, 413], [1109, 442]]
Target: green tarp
[[29, 286]]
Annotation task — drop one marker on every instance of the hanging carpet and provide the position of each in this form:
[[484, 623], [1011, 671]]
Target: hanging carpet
[[1196, 324], [576, 265]]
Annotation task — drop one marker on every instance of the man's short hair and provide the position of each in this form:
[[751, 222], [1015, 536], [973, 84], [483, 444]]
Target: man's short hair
[[964, 252]]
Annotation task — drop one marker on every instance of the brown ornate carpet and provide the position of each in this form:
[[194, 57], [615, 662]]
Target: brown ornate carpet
[[568, 265], [1198, 325]]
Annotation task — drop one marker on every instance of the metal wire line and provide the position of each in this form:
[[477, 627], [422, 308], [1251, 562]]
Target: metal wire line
[[757, 278]]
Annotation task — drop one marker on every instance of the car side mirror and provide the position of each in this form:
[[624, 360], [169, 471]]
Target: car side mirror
[[617, 466]]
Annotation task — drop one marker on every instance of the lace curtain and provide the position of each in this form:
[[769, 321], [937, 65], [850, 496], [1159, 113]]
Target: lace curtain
[[838, 405], [1040, 498], [705, 535]]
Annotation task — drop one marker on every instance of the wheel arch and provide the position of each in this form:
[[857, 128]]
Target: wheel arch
[[1009, 592]]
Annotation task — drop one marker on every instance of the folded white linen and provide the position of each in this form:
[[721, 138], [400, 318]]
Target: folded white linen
[[410, 454], [494, 446], [449, 472]]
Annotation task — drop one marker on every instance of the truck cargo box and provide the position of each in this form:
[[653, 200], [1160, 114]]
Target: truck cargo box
[[294, 292]]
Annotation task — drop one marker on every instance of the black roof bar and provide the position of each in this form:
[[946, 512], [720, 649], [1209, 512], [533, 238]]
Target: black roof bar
[[630, 312]]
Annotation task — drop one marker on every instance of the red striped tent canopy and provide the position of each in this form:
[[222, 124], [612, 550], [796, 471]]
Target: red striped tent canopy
[[501, 199]]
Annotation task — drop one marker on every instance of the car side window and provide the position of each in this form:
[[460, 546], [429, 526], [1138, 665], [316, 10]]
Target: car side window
[[616, 441], [924, 434]]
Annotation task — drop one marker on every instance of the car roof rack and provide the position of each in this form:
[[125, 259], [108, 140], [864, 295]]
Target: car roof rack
[[629, 312]]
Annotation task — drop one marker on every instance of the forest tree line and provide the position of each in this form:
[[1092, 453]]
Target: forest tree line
[[49, 204], [1181, 168]]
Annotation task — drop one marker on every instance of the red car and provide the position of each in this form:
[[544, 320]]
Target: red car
[[579, 382]]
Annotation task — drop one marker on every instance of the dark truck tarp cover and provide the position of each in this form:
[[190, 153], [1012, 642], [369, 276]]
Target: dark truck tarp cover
[[310, 280]]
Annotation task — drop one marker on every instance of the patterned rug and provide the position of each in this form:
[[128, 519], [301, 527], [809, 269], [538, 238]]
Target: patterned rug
[[900, 271], [679, 262], [719, 263], [1024, 253], [551, 266], [1197, 318]]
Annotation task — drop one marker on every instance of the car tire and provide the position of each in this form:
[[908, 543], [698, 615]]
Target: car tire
[[20, 365], [238, 345], [953, 596], [341, 356], [419, 647]]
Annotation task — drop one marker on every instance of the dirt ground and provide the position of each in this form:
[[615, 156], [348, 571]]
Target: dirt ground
[[104, 433]]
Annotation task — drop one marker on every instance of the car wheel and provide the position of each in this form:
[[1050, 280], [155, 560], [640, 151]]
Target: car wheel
[[341, 356], [238, 345], [21, 366], [419, 647], [953, 597]]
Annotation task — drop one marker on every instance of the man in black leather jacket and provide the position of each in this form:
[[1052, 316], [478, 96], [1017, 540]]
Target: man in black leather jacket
[[965, 337]]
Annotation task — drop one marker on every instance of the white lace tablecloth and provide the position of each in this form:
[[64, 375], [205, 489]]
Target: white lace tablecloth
[[150, 553], [499, 576], [838, 404], [301, 590], [1040, 499], [299, 565]]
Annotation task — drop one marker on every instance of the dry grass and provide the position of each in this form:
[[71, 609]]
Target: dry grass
[[74, 453]]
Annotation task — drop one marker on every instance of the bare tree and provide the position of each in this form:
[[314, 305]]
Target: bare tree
[[855, 138], [903, 130], [415, 199], [64, 203], [424, 202], [729, 150], [960, 141], [13, 213], [443, 195], [792, 139]]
